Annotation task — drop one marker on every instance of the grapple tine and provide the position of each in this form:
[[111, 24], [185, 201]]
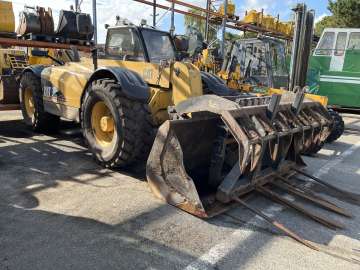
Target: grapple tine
[[316, 200], [241, 138], [212, 150], [354, 197], [276, 224], [315, 216]]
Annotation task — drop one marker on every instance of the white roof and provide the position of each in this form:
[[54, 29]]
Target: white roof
[[342, 29]]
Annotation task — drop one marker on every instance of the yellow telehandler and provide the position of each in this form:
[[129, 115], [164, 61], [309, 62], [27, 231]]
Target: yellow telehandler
[[209, 150]]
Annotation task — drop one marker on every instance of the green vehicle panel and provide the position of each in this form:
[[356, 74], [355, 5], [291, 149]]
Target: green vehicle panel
[[334, 69]]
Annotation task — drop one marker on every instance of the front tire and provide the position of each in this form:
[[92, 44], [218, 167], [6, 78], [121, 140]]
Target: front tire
[[114, 126], [32, 106], [338, 128]]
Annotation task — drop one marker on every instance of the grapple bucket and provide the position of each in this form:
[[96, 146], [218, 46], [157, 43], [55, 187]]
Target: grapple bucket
[[215, 150]]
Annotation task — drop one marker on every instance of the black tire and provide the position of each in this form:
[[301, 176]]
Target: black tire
[[40, 120], [338, 127], [314, 150], [132, 139]]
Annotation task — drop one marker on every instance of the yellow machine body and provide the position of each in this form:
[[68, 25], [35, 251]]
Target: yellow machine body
[[7, 18], [230, 9], [323, 100], [71, 80]]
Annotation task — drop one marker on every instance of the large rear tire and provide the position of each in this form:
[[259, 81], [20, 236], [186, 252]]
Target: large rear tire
[[32, 106], [114, 126], [338, 128]]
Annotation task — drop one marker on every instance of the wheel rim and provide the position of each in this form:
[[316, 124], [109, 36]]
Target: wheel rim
[[102, 124], [29, 103]]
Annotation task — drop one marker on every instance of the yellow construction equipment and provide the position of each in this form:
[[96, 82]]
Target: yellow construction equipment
[[208, 149], [7, 18], [12, 63]]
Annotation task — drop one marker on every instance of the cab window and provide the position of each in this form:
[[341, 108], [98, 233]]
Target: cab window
[[340, 44], [159, 45], [124, 44], [354, 41], [326, 44]]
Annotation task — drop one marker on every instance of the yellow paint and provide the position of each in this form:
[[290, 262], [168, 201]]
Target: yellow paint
[[323, 100], [186, 82], [29, 103], [4, 57], [230, 8], [102, 124], [7, 18], [160, 100], [169, 85], [252, 17]]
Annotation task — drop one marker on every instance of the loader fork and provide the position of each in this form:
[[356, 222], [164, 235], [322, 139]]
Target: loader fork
[[206, 159]]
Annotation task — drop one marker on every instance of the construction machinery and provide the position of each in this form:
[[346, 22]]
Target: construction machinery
[[7, 19], [259, 65], [12, 63], [334, 68], [37, 23], [36, 20], [209, 149]]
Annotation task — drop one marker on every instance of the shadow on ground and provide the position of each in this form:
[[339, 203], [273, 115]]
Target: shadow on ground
[[159, 235]]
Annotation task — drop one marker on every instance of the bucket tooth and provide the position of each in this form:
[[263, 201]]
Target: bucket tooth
[[315, 216], [316, 200], [277, 225]]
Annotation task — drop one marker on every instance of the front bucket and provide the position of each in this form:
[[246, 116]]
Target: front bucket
[[201, 163]]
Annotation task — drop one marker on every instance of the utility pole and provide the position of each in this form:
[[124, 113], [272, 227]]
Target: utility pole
[[208, 3], [94, 21], [77, 5], [154, 13], [224, 28], [172, 25]]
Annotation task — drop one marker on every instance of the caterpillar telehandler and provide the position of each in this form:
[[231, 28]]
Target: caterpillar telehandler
[[208, 149]]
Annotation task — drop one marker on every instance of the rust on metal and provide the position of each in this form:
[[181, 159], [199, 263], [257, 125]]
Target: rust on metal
[[214, 148], [332, 224], [352, 196], [277, 224], [310, 197], [41, 44]]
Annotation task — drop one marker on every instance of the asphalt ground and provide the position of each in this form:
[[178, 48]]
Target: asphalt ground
[[59, 210]]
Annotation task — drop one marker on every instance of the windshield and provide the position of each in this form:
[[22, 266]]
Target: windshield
[[124, 43], [159, 45]]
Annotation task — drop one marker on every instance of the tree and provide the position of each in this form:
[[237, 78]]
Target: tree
[[200, 23], [346, 12], [327, 21]]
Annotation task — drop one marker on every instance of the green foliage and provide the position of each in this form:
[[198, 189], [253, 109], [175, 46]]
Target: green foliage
[[328, 21], [200, 24], [346, 12], [231, 36]]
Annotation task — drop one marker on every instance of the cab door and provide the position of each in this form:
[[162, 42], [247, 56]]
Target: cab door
[[338, 57]]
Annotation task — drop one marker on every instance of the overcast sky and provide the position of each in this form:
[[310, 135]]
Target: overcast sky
[[108, 9]]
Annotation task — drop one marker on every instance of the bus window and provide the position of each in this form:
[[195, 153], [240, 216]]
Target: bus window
[[354, 41], [326, 44], [340, 44]]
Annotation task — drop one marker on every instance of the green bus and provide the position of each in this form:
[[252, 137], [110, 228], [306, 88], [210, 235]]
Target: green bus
[[334, 69]]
